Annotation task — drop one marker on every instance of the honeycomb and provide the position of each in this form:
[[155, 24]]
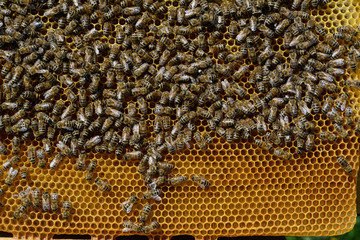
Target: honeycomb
[[252, 192]]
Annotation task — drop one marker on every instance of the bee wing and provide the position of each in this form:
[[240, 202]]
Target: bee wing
[[10, 171], [32, 193], [152, 161], [52, 164], [225, 84], [264, 126], [343, 105], [129, 208], [200, 185], [157, 198], [48, 93], [304, 108], [124, 203], [45, 204], [152, 185], [14, 173], [127, 229], [27, 191], [187, 143], [60, 145], [42, 71]]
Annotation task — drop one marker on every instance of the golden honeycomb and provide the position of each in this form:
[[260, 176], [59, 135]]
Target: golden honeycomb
[[252, 192]]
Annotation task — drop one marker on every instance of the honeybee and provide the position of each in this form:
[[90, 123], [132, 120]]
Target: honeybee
[[144, 214], [64, 149], [23, 172], [130, 226], [349, 115], [54, 201], [310, 142], [56, 161], [345, 164], [150, 227], [65, 211], [157, 182], [92, 142], [177, 180], [31, 154], [337, 53], [11, 176], [352, 83], [303, 108], [233, 29], [126, 135], [267, 31], [170, 144], [328, 136], [36, 196], [201, 181], [102, 185], [281, 27], [17, 116], [241, 36], [74, 147], [6, 68], [324, 48], [41, 157], [46, 201], [152, 193], [332, 41], [200, 141], [266, 145], [9, 106], [24, 196], [241, 72], [11, 162], [51, 93], [327, 105], [58, 107], [143, 164], [90, 170], [47, 145], [129, 203], [335, 117], [135, 155], [20, 212], [189, 116], [279, 152], [81, 160], [273, 114], [341, 131], [271, 136], [320, 29], [15, 144], [340, 102], [351, 62], [90, 35], [164, 167], [157, 124], [300, 143]]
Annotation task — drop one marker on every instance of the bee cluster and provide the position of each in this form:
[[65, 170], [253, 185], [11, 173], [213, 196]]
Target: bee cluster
[[45, 200], [91, 81]]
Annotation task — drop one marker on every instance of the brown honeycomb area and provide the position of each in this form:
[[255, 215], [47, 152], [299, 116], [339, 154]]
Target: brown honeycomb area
[[252, 192]]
